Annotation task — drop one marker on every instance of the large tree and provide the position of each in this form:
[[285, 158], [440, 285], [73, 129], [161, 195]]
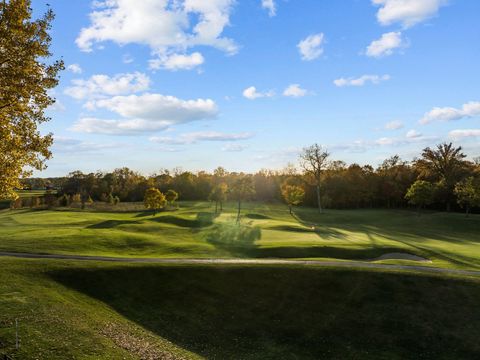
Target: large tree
[[25, 78], [313, 160], [446, 166]]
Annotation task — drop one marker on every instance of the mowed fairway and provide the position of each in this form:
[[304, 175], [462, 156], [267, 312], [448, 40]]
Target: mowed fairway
[[267, 231]]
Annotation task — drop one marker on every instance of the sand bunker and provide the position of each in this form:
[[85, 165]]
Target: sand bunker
[[401, 256]]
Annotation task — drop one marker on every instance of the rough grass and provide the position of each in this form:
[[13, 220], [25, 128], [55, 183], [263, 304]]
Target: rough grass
[[267, 230], [75, 310]]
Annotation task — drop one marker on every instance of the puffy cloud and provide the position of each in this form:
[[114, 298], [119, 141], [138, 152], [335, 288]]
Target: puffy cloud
[[394, 125], [413, 134], [194, 137], [270, 6], [74, 68], [464, 133], [294, 90], [362, 80], [469, 109], [145, 113], [177, 62], [251, 93], [104, 85], [385, 46], [406, 12], [165, 26], [311, 47]]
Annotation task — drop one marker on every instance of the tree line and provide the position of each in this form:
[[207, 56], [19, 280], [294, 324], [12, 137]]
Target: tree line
[[440, 178]]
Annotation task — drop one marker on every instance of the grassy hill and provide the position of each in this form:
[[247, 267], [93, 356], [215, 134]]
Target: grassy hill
[[78, 310]]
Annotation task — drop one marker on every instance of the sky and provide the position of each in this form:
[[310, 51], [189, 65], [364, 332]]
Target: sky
[[246, 84]]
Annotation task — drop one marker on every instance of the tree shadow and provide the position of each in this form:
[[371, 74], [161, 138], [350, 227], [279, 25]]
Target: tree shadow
[[108, 224], [255, 216], [272, 312], [203, 219]]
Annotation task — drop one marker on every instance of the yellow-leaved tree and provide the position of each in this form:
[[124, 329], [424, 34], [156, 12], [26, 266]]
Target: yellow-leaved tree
[[25, 78]]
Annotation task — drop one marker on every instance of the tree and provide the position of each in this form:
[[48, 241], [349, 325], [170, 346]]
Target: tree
[[25, 78], [468, 194], [420, 193], [293, 195], [171, 196], [313, 160], [219, 195], [154, 200], [444, 164], [241, 190]]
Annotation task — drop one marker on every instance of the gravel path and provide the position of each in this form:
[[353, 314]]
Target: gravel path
[[346, 264]]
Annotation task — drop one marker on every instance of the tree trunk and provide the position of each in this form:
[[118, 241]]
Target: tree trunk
[[238, 213], [448, 206], [290, 209], [216, 206], [318, 200], [221, 206], [467, 210]]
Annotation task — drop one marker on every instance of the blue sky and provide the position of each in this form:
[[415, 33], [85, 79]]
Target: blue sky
[[246, 84]]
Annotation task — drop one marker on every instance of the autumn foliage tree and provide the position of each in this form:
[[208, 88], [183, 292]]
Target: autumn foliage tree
[[171, 196], [468, 193], [25, 78], [219, 195], [154, 200], [293, 195], [241, 190]]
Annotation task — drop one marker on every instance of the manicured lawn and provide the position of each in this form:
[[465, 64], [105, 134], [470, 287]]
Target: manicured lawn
[[268, 230], [79, 310]]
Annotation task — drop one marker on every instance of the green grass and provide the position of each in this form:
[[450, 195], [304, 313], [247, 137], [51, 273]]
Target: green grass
[[268, 231], [79, 310]]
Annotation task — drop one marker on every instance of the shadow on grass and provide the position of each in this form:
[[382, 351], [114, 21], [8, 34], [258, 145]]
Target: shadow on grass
[[108, 224], [272, 312], [255, 216], [203, 219]]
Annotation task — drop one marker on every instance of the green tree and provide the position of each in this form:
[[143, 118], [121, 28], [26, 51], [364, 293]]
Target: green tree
[[154, 200], [219, 195], [421, 193], [241, 190], [445, 165], [25, 78], [313, 160], [171, 196], [293, 195], [468, 194]]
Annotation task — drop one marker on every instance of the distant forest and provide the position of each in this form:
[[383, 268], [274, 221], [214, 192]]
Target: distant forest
[[341, 186]]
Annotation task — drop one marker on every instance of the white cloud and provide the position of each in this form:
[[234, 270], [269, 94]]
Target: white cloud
[[145, 113], [362, 80], [270, 6], [67, 145], [413, 134], [165, 26], [195, 137], [311, 47], [294, 90], [177, 62], [394, 125], [464, 133], [74, 68], [385, 46], [252, 93], [469, 109], [234, 147], [104, 85], [406, 12]]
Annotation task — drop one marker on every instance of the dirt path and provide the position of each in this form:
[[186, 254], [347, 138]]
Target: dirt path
[[346, 264]]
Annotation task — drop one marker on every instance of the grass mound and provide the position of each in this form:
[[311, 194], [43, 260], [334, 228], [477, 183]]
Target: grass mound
[[291, 313]]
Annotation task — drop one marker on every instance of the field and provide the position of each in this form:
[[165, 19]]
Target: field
[[100, 310], [267, 231]]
